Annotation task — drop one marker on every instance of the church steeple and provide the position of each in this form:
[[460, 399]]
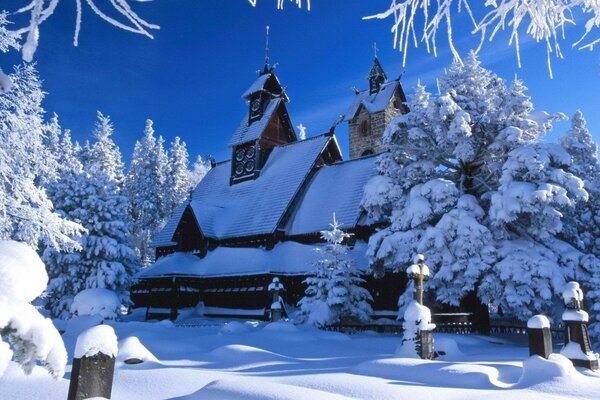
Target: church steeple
[[377, 76]]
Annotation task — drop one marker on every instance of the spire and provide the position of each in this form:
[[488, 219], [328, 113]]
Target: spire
[[267, 68], [377, 76]]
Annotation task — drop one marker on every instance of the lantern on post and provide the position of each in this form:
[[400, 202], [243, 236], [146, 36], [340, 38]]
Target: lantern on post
[[275, 288], [419, 272]]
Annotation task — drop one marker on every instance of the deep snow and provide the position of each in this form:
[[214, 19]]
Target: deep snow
[[221, 359]]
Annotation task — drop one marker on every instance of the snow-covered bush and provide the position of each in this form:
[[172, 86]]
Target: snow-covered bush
[[103, 302], [334, 293], [470, 184], [33, 338]]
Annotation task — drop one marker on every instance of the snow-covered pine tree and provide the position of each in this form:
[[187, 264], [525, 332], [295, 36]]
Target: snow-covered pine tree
[[334, 292], [582, 223], [468, 183], [198, 171], [104, 156], [179, 181], [146, 187], [26, 213], [91, 194]]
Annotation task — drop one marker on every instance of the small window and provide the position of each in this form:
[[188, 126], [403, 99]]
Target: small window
[[367, 152], [364, 127]]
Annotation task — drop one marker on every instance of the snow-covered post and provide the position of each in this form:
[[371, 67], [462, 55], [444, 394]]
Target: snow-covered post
[[275, 288], [420, 273], [577, 347], [540, 339], [94, 364]]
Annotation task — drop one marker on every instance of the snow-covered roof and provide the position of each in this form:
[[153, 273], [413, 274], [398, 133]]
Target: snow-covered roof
[[256, 206], [257, 85], [334, 188], [165, 236], [372, 102], [285, 258], [251, 131]]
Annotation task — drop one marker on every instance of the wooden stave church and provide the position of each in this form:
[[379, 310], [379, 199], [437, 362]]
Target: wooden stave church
[[203, 252]]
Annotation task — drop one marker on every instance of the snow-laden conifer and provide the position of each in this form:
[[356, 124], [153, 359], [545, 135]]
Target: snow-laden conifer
[[334, 293], [104, 156], [90, 193], [468, 182], [148, 192], [26, 212], [198, 171], [179, 181]]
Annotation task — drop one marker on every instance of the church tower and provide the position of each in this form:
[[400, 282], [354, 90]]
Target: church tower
[[372, 111]]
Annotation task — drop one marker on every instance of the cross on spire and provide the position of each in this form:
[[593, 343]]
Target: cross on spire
[[375, 49]]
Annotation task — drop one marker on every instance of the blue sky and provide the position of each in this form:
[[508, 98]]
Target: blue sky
[[189, 79]]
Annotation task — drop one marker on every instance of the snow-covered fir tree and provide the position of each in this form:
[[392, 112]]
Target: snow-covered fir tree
[[468, 182], [582, 223], [334, 292], [146, 185], [91, 194], [26, 213], [104, 156], [179, 181], [198, 171]]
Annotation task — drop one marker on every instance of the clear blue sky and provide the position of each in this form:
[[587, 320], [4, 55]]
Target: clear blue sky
[[189, 79]]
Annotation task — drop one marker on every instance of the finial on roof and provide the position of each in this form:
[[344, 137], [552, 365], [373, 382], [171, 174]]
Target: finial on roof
[[375, 49], [267, 48]]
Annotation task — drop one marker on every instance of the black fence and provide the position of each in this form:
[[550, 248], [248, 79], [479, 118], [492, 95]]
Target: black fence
[[508, 327]]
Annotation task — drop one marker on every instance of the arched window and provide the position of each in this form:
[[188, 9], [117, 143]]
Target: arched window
[[364, 127], [367, 152]]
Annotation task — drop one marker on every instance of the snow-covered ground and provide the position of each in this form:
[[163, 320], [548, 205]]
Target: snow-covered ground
[[218, 359]]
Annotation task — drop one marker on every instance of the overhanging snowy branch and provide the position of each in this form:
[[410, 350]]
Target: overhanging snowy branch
[[541, 20]]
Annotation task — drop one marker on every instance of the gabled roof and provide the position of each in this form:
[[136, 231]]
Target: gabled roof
[[247, 132], [165, 236], [375, 102], [290, 258], [257, 85], [334, 188], [254, 207]]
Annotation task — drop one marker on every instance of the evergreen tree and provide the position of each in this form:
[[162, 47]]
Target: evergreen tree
[[179, 182], [26, 212], [146, 187], [199, 170], [468, 182], [104, 156], [90, 193], [334, 291]]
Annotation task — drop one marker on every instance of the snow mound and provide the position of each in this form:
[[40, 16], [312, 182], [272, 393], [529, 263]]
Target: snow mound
[[448, 347], [99, 339], [286, 327], [234, 327], [226, 389], [433, 373], [537, 369], [132, 351], [23, 273], [96, 301]]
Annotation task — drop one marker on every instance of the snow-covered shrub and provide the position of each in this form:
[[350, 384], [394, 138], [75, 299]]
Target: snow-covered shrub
[[469, 183], [334, 293], [103, 302], [33, 338]]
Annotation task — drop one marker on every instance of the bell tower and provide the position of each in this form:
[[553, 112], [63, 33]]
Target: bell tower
[[372, 110]]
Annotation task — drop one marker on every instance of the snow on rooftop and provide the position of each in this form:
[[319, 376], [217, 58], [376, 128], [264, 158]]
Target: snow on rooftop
[[256, 206], [285, 258], [372, 102], [257, 85], [165, 236], [247, 132], [334, 188]]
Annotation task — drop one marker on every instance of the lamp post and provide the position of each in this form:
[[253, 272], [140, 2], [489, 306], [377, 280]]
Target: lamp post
[[420, 273]]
